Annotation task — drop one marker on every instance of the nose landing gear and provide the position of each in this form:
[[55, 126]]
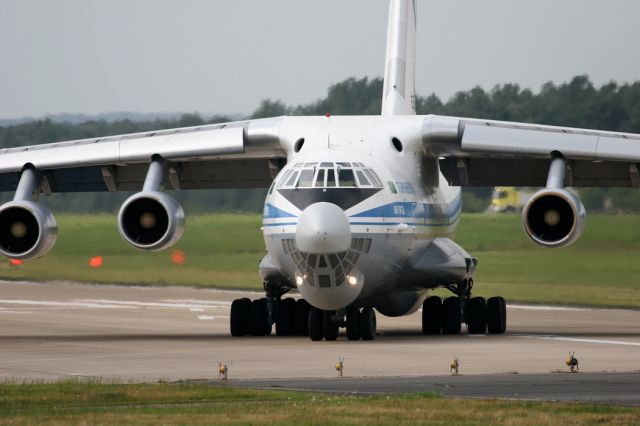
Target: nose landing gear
[[360, 324]]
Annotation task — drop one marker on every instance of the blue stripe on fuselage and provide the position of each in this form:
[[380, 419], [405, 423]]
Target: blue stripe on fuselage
[[397, 210], [273, 212]]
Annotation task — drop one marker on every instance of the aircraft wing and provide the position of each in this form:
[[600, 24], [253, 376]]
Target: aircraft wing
[[228, 155], [496, 153]]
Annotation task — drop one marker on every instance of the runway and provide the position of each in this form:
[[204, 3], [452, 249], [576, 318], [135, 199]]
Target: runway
[[59, 330]]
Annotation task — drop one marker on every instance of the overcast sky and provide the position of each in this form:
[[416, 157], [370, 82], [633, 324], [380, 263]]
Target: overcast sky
[[224, 56]]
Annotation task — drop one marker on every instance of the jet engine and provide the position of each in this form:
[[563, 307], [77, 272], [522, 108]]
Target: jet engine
[[553, 216], [27, 230], [151, 220]]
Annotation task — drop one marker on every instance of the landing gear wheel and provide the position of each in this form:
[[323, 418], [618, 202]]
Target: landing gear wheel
[[476, 313], [368, 324], [259, 319], [284, 316], [301, 318], [353, 324], [451, 316], [496, 315], [315, 324], [329, 326], [432, 315], [239, 318]]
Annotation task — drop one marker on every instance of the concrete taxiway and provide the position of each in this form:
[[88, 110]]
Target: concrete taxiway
[[59, 330]]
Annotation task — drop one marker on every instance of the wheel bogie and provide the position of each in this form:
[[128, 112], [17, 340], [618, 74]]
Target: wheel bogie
[[301, 318], [353, 324], [259, 318], [239, 317], [496, 315], [432, 315], [476, 315], [451, 318], [368, 323], [316, 324], [330, 328], [284, 316]]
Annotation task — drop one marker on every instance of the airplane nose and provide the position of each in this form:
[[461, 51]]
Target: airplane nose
[[323, 228]]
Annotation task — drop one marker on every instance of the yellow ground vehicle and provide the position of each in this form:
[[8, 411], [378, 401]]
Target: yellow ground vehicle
[[505, 199]]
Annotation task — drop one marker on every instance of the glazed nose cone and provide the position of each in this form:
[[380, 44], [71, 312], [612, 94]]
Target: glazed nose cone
[[323, 228]]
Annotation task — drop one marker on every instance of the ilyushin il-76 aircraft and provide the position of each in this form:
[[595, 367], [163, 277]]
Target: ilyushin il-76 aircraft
[[360, 212]]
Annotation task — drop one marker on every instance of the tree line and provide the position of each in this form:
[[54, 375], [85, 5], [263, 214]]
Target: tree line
[[577, 103]]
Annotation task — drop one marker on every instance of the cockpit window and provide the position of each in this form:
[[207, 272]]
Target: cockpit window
[[292, 179], [306, 178], [320, 179], [284, 178], [329, 175], [362, 179], [331, 178], [373, 178], [346, 178]]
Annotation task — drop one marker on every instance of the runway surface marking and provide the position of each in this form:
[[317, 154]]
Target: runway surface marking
[[578, 340], [211, 317], [516, 306], [120, 304]]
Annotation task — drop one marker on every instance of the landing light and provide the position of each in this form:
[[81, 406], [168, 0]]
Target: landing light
[[352, 280]]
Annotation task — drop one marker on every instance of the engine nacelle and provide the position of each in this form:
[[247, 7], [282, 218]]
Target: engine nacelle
[[27, 230], [553, 217], [151, 220]]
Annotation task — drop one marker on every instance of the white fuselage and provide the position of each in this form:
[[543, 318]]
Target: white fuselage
[[393, 200]]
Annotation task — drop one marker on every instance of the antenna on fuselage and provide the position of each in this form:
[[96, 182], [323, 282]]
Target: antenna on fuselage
[[398, 95]]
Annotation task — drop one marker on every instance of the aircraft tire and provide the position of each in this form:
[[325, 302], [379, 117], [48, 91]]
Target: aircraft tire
[[368, 323], [496, 315], [353, 324], [285, 316], [301, 318], [432, 315], [315, 324], [451, 321], [476, 313], [239, 318], [259, 321], [329, 327]]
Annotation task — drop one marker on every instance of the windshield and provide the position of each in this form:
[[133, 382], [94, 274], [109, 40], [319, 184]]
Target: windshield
[[329, 175]]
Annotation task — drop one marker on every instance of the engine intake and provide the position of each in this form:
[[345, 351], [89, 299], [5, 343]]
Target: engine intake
[[553, 218], [151, 220], [27, 230]]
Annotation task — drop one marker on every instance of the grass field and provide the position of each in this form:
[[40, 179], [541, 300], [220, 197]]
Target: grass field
[[68, 403], [224, 250]]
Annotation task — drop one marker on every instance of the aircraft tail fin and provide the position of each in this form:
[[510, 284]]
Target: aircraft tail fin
[[398, 96]]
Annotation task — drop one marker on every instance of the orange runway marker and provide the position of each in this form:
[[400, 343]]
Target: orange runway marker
[[95, 262], [178, 257]]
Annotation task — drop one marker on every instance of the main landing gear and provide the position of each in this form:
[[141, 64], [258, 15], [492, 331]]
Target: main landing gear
[[481, 316], [257, 317]]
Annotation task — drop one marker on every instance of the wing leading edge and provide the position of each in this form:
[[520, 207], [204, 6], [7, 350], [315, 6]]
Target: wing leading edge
[[243, 154], [494, 153]]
